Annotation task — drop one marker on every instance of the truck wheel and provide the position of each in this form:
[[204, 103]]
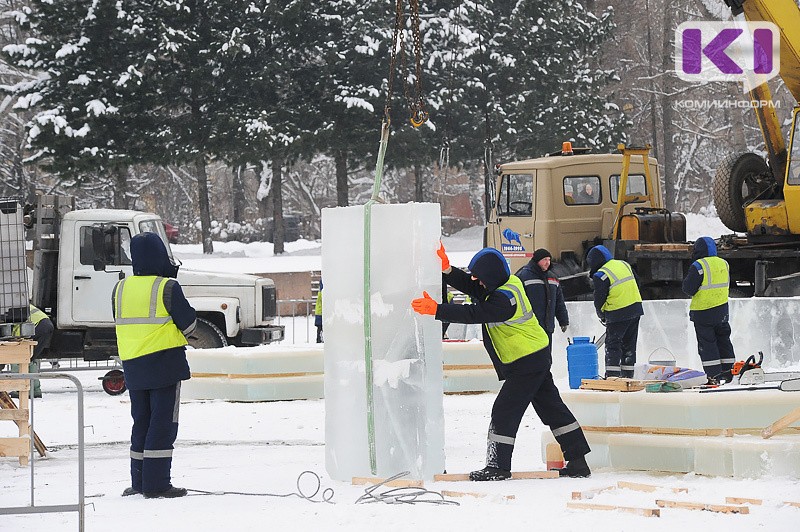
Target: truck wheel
[[207, 336], [741, 178], [114, 382]]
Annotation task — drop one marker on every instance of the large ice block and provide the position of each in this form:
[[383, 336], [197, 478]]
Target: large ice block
[[407, 412], [758, 324]]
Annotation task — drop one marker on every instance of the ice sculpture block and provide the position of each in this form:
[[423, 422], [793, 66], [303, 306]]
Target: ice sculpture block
[[407, 412]]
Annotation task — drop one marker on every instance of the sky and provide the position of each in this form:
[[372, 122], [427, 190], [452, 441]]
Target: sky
[[263, 448]]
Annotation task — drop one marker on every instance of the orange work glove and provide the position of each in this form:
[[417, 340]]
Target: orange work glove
[[425, 305], [443, 256]]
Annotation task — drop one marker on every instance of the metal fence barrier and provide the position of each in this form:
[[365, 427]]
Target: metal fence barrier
[[32, 508], [301, 311]]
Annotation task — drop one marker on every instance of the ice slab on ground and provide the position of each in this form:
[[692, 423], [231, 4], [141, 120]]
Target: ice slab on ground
[[406, 412], [770, 325], [285, 372], [740, 456]]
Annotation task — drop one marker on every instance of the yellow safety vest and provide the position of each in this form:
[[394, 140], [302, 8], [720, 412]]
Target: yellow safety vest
[[143, 324], [35, 317], [623, 290], [521, 334], [716, 282], [318, 305]]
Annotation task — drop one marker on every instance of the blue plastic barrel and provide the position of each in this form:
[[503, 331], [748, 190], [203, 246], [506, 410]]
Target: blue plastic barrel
[[581, 361]]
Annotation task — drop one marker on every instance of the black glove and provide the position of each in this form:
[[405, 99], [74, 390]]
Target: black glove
[[564, 328]]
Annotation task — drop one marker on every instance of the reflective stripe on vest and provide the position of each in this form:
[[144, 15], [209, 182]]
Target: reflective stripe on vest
[[35, 317], [521, 334], [713, 292], [143, 324], [623, 290]]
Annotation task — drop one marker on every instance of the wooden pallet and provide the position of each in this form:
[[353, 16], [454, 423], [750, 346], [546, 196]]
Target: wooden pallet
[[17, 353], [19, 416]]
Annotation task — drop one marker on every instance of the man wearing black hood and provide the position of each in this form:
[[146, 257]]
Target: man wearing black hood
[[153, 319], [708, 282], [520, 352], [619, 305], [544, 292]]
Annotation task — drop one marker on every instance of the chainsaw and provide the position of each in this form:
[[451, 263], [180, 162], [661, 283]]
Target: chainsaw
[[750, 372]]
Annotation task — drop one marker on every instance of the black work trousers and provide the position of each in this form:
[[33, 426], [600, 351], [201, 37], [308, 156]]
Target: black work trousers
[[621, 337], [539, 390], [715, 348]]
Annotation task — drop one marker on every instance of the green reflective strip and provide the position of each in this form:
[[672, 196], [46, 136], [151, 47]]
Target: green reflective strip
[[154, 295], [707, 274], [118, 301], [533, 281], [501, 439], [143, 321], [162, 453], [566, 428], [526, 312]]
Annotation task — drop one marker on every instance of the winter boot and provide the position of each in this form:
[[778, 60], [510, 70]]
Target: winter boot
[[130, 491], [171, 493], [490, 473], [576, 468]]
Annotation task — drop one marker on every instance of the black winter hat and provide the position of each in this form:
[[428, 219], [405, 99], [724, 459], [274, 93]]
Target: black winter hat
[[541, 253]]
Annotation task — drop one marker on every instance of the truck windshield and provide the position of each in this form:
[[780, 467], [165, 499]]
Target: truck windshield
[[516, 195], [157, 227]]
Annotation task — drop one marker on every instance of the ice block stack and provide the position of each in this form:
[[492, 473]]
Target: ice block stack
[[13, 273], [405, 413]]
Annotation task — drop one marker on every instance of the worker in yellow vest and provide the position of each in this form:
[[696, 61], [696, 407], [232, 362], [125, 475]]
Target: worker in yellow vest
[[520, 352], [153, 319], [318, 313], [619, 305], [43, 334], [708, 282]]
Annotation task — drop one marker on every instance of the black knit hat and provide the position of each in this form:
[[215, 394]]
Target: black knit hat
[[541, 253]]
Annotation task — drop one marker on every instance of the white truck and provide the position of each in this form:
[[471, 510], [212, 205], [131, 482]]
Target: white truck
[[78, 257]]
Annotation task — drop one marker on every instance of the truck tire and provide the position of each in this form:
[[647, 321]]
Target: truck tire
[[741, 178], [207, 336]]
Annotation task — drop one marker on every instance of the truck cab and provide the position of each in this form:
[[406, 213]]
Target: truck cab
[[564, 202], [80, 255]]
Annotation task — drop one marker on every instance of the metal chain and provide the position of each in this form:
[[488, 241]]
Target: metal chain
[[415, 102]]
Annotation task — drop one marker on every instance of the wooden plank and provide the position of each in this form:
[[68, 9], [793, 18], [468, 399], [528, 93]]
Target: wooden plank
[[782, 423], [14, 385], [790, 503], [7, 403], [648, 488], [589, 494], [718, 508], [646, 512], [16, 447], [519, 475], [396, 483], [743, 500], [467, 366], [252, 375], [448, 493], [16, 352], [14, 415], [630, 429], [613, 384]]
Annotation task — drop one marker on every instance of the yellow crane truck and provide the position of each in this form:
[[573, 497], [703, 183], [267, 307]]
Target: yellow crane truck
[[569, 201]]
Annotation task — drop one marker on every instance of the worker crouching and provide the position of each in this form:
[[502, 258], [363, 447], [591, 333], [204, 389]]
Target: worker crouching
[[520, 352]]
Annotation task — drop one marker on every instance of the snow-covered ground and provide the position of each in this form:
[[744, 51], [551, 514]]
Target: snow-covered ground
[[262, 448]]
